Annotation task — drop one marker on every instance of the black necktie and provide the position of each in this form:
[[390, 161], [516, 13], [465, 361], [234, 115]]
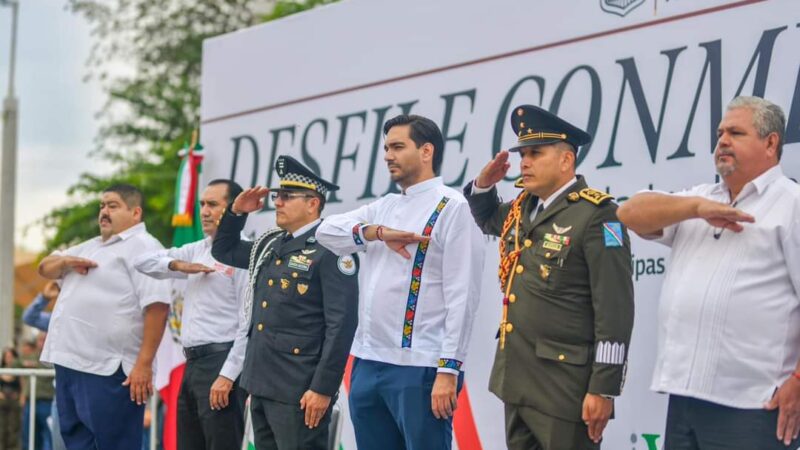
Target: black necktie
[[540, 209], [287, 237]]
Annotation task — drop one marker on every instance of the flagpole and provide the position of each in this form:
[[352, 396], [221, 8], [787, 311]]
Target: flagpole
[[8, 181]]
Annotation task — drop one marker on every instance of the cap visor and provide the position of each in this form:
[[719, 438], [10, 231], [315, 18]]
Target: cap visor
[[533, 143]]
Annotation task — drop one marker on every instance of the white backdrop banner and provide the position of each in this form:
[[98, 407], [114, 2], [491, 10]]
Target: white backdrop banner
[[648, 78]]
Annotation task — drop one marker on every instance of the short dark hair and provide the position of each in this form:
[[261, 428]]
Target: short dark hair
[[233, 190], [130, 194], [422, 131]]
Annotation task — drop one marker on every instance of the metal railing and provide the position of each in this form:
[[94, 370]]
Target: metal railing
[[34, 374]]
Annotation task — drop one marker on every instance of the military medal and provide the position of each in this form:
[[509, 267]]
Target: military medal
[[551, 245], [556, 238], [302, 288], [284, 283], [544, 271], [300, 262], [561, 230]]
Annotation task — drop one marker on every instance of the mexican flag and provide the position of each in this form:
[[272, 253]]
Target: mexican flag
[[170, 360]]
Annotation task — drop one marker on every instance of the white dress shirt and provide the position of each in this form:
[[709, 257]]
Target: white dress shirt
[[211, 301], [448, 286], [98, 321], [729, 317]]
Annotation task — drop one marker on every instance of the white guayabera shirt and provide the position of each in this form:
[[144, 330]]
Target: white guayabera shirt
[[729, 317], [418, 311], [211, 301], [98, 320]]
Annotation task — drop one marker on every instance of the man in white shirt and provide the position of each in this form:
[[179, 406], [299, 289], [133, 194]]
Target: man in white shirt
[[729, 315], [210, 403], [105, 328], [418, 295]]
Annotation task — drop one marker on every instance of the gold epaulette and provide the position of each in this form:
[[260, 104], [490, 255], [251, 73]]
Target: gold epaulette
[[518, 183], [595, 197]]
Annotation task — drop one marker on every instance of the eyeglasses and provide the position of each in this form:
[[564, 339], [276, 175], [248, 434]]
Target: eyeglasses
[[286, 196]]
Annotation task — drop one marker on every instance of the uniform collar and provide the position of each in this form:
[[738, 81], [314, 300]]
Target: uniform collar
[[299, 239], [304, 229], [423, 186], [560, 191]]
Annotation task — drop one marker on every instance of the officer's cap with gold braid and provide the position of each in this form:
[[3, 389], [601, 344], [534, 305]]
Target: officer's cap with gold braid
[[295, 176], [535, 126]]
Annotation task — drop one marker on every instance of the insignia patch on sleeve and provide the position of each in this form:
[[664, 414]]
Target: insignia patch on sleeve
[[612, 232], [346, 264], [610, 353]]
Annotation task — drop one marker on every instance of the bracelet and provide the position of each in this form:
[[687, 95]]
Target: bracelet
[[379, 232]]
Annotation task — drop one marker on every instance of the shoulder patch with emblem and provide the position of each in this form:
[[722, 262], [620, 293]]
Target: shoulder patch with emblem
[[612, 234], [519, 183], [346, 264], [595, 197]]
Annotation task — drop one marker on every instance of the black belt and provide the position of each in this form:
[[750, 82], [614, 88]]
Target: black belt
[[205, 350]]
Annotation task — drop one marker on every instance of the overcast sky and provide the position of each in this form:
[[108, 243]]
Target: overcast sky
[[56, 123]]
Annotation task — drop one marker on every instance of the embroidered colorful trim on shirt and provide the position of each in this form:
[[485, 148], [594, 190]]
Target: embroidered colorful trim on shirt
[[416, 274], [446, 363], [357, 234]]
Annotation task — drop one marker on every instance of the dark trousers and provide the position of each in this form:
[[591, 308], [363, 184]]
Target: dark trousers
[[41, 438], [10, 421], [281, 426], [694, 424], [200, 427], [96, 411], [529, 429], [390, 407]]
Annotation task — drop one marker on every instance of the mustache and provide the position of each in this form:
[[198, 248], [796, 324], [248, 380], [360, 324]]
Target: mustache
[[723, 152], [105, 217]]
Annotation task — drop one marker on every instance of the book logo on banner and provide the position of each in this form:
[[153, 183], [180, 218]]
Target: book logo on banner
[[620, 7]]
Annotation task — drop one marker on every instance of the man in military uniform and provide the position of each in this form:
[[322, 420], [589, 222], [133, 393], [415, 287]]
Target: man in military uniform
[[300, 313], [565, 272]]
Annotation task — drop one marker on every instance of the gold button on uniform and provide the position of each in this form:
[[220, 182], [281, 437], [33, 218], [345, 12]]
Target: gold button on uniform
[[528, 242], [278, 262], [520, 269], [270, 282], [561, 357], [294, 274], [509, 328], [512, 298], [547, 255], [296, 351], [260, 327], [264, 304]]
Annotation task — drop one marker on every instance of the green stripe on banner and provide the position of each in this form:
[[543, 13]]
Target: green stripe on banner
[[251, 446]]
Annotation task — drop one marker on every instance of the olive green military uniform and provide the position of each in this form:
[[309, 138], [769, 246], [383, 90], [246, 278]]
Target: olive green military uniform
[[570, 313]]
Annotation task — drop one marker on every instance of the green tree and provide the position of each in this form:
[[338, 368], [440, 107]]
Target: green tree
[[147, 55]]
